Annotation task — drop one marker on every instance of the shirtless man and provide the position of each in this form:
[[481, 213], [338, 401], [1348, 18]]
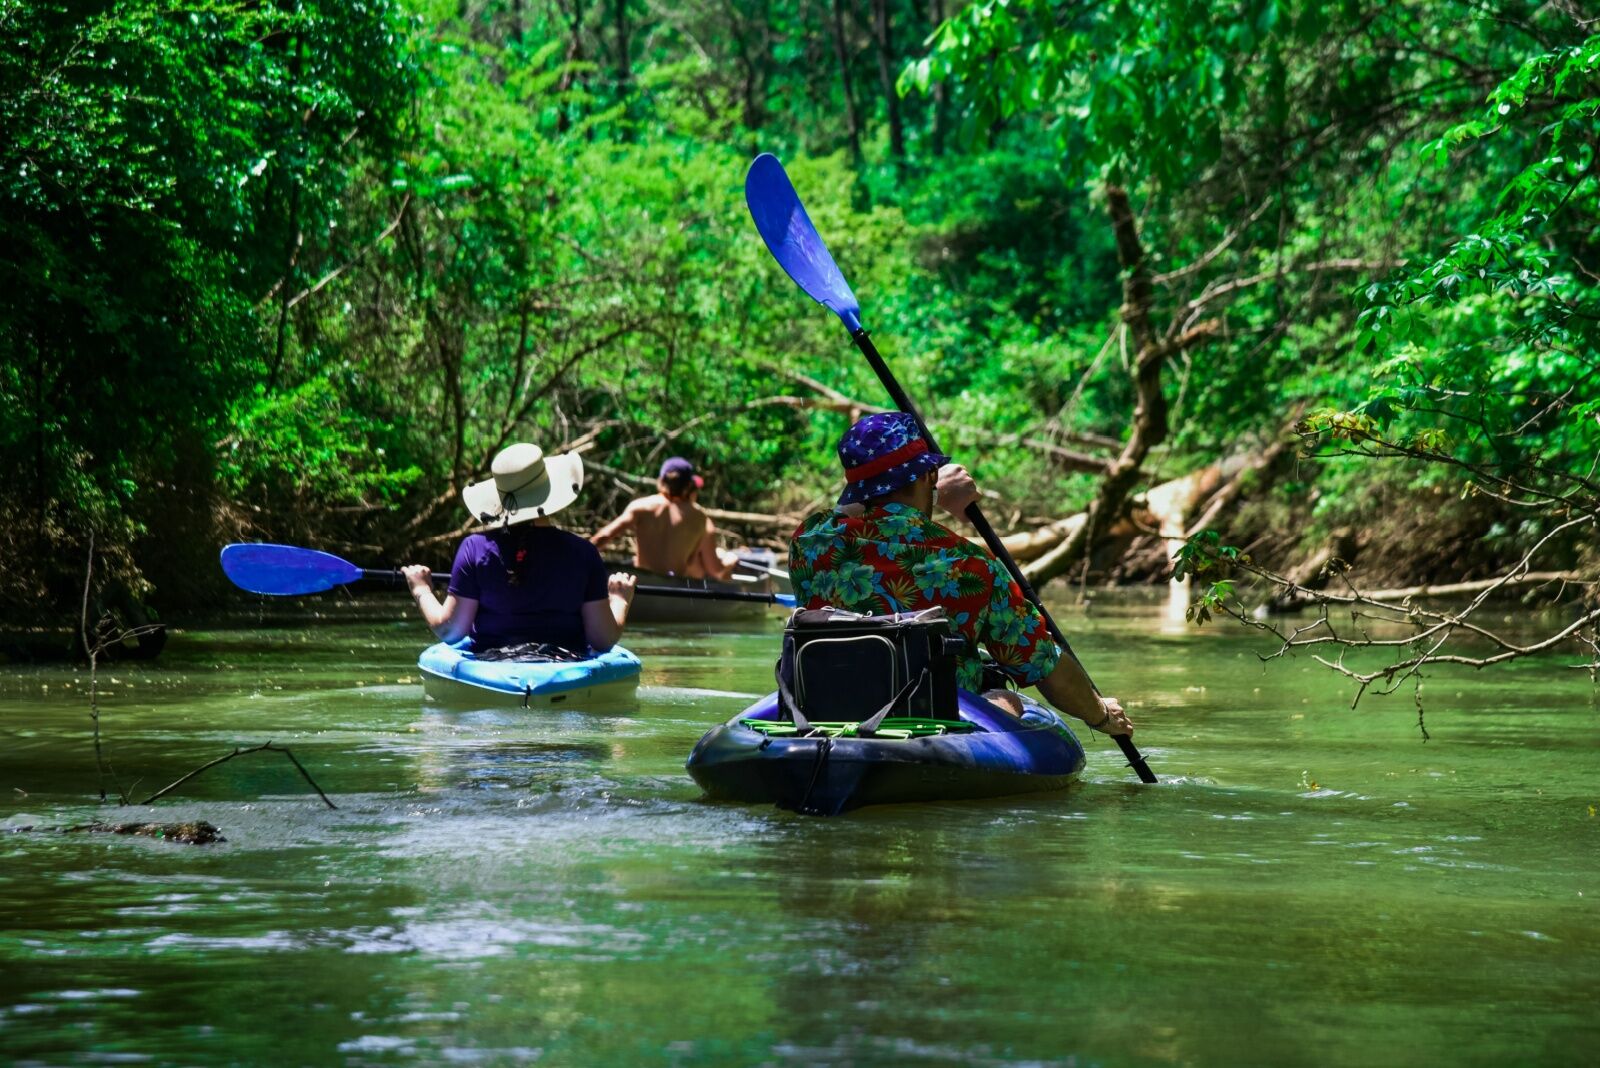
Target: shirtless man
[[671, 535]]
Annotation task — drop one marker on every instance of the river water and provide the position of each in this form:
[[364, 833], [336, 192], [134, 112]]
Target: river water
[[1310, 885]]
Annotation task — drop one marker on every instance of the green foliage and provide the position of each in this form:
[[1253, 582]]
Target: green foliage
[[1142, 89], [1490, 344], [1204, 556], [304, 267], [311, 446], [156, 162]]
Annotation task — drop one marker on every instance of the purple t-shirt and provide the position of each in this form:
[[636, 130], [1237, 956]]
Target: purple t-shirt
[[531, 584]]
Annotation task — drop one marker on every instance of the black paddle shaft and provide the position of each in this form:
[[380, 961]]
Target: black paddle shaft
[[395, 578], [976, 517]]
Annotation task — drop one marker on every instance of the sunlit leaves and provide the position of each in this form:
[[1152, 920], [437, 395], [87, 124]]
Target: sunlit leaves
[[1502, 325], [1142, 89]]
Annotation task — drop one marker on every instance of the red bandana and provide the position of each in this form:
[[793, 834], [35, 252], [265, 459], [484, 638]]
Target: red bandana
[[886, 461]]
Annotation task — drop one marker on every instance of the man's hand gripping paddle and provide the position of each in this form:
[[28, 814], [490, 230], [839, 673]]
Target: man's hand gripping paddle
[[800, 251]]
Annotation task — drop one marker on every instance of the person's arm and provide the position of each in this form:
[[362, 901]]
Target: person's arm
[[1015, 632], [451, 619], [711, 557], [604, 620], [1069, 689], [614, 529]]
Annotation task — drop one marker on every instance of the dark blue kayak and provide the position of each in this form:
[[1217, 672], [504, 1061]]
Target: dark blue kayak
[[452, 674], [758, 757]]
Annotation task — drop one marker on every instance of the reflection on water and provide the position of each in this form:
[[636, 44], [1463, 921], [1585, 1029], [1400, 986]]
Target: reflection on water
[[1308, 885]]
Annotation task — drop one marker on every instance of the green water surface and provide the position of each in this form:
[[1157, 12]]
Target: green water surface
[[1310, 885]]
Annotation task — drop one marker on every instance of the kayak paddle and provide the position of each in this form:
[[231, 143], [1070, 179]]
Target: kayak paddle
[[290, 571], [801, 252]]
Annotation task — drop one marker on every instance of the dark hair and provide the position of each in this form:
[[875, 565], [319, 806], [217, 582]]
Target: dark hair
[[678, 483], [514, 543]]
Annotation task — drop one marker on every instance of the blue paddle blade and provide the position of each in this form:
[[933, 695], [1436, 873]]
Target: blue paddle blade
[[285, 570], [794, 242], [784, 600]]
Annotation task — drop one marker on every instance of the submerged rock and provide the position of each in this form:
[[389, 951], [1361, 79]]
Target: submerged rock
[[195, 832]]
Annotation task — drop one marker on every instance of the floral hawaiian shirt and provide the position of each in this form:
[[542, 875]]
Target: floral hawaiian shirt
[[895, 559]]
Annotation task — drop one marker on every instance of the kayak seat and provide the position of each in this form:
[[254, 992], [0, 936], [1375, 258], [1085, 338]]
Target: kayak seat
[[531, 653], [842, 667], [892, 728]]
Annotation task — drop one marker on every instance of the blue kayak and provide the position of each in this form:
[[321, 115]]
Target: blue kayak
[[758, 756], [452, 674]]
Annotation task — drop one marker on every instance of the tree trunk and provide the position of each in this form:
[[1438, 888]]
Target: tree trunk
[[619, 20], [852, 120], [291, 253], [41, 494], [941, 90], [574, 54], [1150, 406], [886, 64], [754, 52]]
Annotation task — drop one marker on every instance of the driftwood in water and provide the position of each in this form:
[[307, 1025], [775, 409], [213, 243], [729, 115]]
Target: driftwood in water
[[1455, 589], [1164, 510], [1262, 463], [1161, 509], [193, 832], [238, 751], [1031, 544]]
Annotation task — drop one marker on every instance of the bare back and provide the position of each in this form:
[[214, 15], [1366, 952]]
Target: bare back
[[668, 533]]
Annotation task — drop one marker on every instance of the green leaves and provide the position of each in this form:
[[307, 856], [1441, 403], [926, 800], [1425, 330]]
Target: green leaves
[[1204, 554], [1142, 89], [1493, 332], [163, 168]]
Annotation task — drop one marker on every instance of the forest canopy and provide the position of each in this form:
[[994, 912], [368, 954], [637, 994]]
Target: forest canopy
[[295, 271]]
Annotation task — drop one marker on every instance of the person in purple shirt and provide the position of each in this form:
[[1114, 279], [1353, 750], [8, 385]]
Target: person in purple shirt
[[525, 580]]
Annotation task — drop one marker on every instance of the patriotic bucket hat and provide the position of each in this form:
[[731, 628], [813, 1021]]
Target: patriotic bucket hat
[[882, 453]]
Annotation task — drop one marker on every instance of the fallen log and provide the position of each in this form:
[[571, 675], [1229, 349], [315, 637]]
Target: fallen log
[[1452, 589], [1164, 508], [1031, 544], [1402, 594], [1161, 508]]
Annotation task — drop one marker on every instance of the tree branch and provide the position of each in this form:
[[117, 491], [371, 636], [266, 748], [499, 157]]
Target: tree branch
[[237, 752]]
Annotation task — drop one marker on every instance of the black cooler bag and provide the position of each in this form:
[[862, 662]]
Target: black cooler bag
[[839, 666]]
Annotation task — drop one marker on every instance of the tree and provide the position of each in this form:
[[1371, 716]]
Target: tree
[[1256, 143], [1486, 382], [164, 171]]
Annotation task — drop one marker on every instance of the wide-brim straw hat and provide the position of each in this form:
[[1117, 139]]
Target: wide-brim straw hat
[[526, 484]]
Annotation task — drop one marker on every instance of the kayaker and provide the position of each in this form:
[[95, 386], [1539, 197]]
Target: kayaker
[[880, 551], [525, 580], [672, 535]]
